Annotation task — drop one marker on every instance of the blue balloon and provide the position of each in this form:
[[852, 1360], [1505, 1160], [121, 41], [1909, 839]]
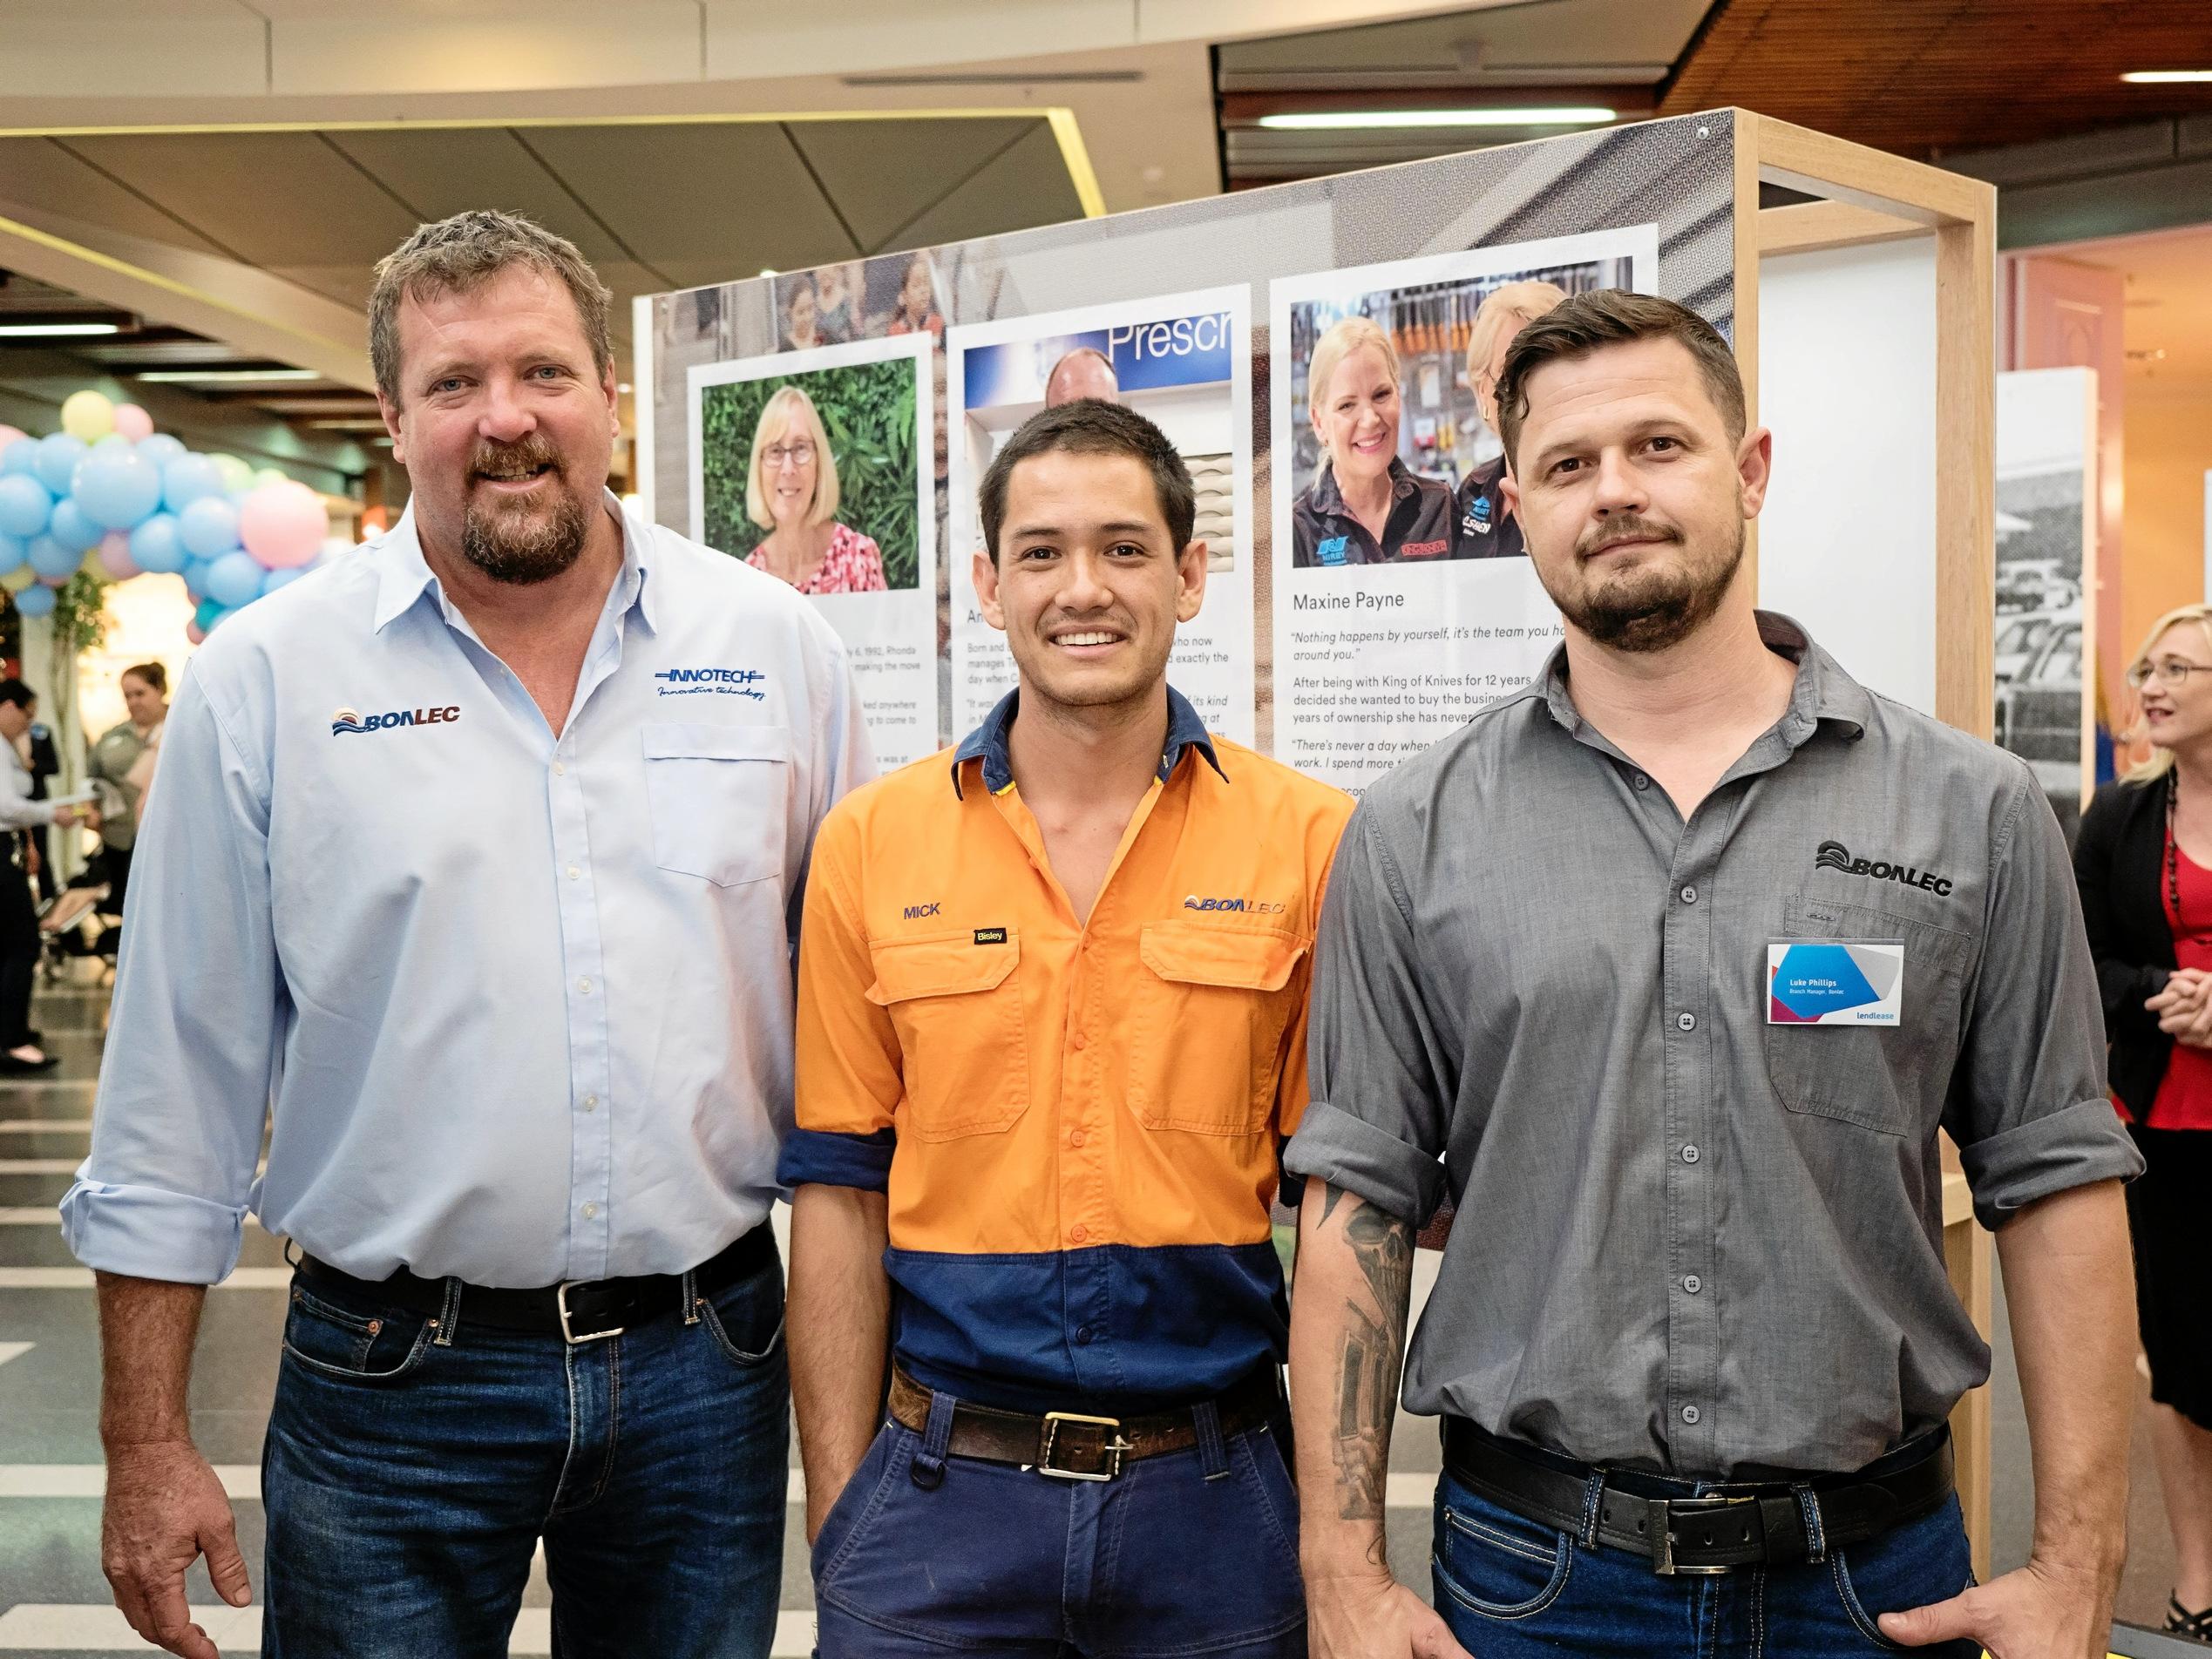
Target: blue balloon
[[20, 454], [209, 526], [156, 548], [274, 580], [208, 614], [13, 551], [235, 579], [35, 601], [161, 447], [195, 577], [186, 478], [111, 441], [25, 507], [49, 558], [116, 488], [58, 454], [71, 527]]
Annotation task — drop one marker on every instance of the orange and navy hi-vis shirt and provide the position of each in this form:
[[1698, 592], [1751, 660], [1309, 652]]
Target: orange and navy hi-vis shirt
[[1077, 1126]]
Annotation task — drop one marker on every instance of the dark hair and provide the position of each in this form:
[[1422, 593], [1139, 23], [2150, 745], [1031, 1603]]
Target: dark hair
[[14, 691], [1092, 426], [1589, 323], [153, 674]]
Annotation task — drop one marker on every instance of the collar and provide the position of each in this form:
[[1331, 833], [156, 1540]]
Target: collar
[[1822, 690], [987, 743], [407, 575], [1329, 499]]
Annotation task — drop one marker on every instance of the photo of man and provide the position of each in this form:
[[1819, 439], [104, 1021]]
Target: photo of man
[[1084, 372]]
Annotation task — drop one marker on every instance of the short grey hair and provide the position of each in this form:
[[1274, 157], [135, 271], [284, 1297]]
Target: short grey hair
[[458, 254]]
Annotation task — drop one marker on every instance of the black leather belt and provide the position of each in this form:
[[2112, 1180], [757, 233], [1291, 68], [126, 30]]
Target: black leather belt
[[578, 1312], [1717, 1532]]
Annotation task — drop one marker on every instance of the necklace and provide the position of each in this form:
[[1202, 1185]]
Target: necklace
[[2172, 862]]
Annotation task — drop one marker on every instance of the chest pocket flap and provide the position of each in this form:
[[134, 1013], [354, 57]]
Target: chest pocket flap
[[720, 797], [1208, 1022], [957, 1008]]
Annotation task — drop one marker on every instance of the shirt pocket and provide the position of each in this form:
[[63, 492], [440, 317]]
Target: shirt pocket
[[1878, 1077], [719, 797], [1209, 1006], [956, 1006]]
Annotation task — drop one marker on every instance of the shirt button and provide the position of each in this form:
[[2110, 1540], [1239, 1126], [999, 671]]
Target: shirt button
[[1642, 783], [1691, 1154], [1079, 1039], [1078, 1233], [1689, 1022], [573, 872], [591, 1103], [1692, 1284], [590, 1210], [1690, 1414], [1689, 895], [1075, 1137], [560, 771], [584, 986], [1082, 1333]]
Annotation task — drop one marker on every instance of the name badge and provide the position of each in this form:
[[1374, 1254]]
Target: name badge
[[1834, 982]]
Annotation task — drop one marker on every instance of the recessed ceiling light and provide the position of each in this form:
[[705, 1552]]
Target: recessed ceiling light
[[767, 270], [2166, 76], [56, 330], [1356, 120], [215, 377]]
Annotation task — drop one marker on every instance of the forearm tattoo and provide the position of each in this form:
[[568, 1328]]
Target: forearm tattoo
[[1368, 1357]]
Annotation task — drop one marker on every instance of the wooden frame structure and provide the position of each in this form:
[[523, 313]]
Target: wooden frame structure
[[1862, 196]]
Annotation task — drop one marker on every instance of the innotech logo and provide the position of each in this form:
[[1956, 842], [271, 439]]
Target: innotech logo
[[730, 682], [351, 719]]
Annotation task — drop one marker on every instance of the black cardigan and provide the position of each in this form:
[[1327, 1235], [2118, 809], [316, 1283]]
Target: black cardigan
[[2120, 864]]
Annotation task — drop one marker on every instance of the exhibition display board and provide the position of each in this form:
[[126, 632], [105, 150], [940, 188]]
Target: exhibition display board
[[1316, 341]]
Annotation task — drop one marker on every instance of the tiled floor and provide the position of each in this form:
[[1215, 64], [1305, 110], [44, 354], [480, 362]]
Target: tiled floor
[[52, 1598]]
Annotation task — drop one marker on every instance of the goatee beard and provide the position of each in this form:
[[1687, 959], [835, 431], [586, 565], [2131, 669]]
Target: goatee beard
[[521, 543], [1657, 611]]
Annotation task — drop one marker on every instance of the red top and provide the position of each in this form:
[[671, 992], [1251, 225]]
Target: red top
[[852, 565], [2184, 1098]]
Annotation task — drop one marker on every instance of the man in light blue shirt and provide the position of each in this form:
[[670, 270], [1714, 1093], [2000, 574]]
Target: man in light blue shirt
[[474, 872]]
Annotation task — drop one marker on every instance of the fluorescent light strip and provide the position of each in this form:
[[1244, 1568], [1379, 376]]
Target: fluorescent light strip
[[1357, 120], [2166, 76], [212, 376], [56, 330]]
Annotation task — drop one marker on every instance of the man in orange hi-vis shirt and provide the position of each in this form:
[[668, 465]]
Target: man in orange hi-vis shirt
[[1051, 1038]]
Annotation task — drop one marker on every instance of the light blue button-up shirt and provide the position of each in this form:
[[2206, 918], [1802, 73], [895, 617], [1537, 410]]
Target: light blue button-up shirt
[[514, 1005]]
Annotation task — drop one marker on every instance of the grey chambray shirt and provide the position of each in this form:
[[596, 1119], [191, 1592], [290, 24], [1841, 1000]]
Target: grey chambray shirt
[[1689, 1241]]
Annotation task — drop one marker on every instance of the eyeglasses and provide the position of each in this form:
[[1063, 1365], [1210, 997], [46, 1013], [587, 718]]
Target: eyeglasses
[[799, 454], [2172, 672]]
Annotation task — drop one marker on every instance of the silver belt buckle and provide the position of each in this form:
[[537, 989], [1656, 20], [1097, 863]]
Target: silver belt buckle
[[567, 1335], [1115, 1449], [1664, 1563]]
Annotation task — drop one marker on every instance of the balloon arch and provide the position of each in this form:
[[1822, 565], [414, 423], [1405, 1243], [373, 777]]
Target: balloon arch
[[109, 496]]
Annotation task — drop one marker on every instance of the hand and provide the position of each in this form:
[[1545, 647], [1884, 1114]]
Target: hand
[[2040, 1612], [2184, 989], [1373, 1618], [164, 1507], [32, 860]]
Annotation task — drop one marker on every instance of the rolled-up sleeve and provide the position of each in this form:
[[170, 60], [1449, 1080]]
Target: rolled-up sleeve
[[1380, 1106], [193, 1036], [2028, 1106]]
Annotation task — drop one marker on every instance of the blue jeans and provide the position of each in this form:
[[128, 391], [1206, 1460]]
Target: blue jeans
[[410, 1473], [1189, 1553], [1512, 1589]]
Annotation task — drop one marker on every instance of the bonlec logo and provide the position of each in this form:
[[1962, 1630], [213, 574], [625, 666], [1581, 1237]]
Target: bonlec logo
[[1834, 855], [1251, 906], [348, 720]]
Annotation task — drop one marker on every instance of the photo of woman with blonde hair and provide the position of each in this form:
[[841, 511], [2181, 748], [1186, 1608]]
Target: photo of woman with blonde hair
[[1365, 506], [791, 492]]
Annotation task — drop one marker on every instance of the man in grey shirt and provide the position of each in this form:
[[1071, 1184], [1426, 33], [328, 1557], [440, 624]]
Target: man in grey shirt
[[1667, 969]]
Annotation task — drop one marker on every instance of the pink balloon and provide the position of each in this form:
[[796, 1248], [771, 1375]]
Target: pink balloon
[[133, 422], [282, 525], [194, 634], [115, 555], [9, 434]]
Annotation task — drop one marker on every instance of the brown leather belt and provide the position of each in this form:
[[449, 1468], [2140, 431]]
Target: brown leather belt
[[1070, 1446]]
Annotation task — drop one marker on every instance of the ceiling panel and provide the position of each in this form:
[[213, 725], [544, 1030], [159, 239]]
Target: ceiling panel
[[46, 173], [276, 199], [1027, 186], [729, 197], [1578, 39], [347, 284], [441, 172], [934, 159]]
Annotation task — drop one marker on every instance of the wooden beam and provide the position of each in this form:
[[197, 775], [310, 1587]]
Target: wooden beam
[[1804, 226], [1836, 170], [1966, 472]]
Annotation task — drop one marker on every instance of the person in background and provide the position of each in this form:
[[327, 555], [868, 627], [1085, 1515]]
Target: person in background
[[837, 302], [791, 492], [916, 311], [802, 315], [1365, 506], [1084, 372], [124, 760], [2143, 861], [44, 761], [1484, 525], [19, 1053]]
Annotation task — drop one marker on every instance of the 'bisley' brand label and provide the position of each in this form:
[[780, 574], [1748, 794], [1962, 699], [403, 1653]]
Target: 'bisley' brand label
[[1834, 855]]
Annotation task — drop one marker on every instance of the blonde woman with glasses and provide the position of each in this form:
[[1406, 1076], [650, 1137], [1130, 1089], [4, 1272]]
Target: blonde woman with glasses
[[791, 492], [2144, 863]]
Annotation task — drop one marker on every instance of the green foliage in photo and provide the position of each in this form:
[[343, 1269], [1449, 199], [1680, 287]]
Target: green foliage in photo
[[868, 410]]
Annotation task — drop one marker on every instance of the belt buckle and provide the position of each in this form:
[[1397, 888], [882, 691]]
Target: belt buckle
[[567, 1333], [1663, 1561], [1114, 1447]]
